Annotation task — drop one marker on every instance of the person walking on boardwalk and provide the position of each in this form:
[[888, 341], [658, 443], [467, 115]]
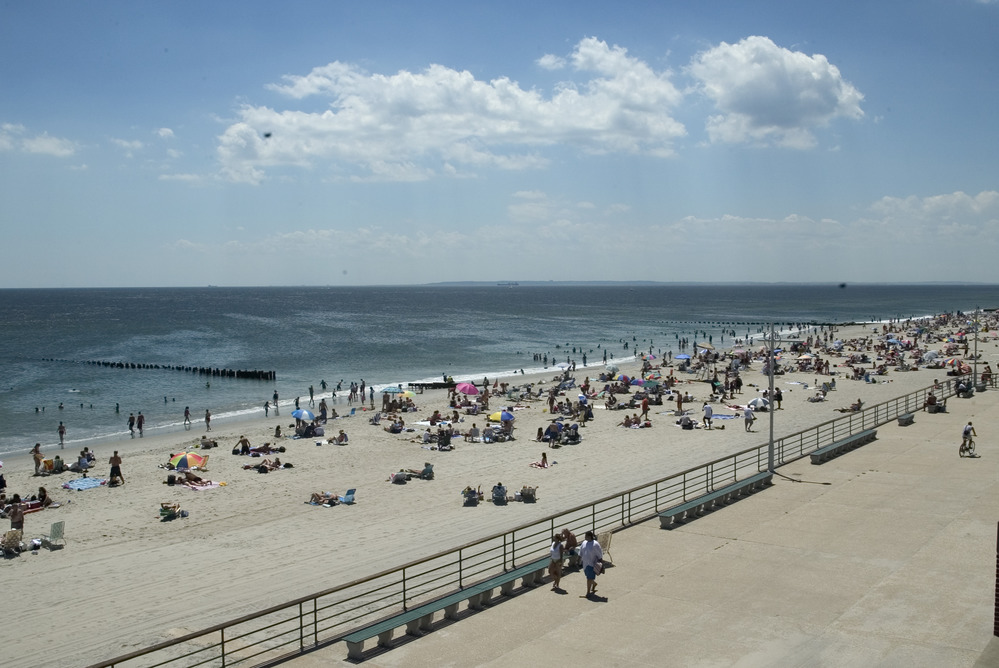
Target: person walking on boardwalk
[[591, 554]]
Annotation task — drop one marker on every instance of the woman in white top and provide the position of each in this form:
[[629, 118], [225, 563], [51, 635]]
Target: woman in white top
[[555, 562]]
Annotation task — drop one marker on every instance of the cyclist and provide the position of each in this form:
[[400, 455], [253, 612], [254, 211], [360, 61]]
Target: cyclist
[[967, 445]]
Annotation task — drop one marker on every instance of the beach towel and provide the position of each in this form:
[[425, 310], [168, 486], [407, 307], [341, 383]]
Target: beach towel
[[201, 487], [84, 483]]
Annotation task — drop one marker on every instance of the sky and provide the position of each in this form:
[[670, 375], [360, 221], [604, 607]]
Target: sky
[[382, 143]]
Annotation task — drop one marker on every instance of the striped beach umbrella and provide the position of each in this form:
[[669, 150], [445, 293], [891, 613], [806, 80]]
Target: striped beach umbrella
[[187, 460]]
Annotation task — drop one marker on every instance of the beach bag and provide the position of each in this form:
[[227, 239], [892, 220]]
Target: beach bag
[[262, 469]]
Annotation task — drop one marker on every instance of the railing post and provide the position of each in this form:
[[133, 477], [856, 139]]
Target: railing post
[[995, 621], [404, 588], [301, 629], [222, 644]]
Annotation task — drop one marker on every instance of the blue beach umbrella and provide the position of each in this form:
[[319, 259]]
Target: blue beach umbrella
[[302, 414], [681, 356]]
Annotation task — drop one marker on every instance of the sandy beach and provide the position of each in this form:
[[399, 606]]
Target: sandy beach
[[126, 579]]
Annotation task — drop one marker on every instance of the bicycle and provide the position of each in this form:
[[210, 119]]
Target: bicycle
[[967, 448]]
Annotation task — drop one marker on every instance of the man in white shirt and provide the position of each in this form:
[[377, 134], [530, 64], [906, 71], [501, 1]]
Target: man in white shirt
[[590, 553]]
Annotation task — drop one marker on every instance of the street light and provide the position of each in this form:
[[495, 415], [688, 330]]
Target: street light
[[974, 373], [772, 340]]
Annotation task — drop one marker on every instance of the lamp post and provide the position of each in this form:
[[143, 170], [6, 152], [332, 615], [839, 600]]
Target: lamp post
[[771, 338], [974, 373]]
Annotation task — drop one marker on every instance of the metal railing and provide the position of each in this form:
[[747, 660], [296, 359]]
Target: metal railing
[[268, 636]]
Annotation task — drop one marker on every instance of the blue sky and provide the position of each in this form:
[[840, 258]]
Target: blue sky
[[342, 143]]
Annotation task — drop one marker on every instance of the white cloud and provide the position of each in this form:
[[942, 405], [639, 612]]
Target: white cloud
[[189, 178], [551, 62], [15, 137], [405, 125], [128, 146], [188, 246], [164, 133], [953, 217], [45, 145], [768, 94], [9, 133]]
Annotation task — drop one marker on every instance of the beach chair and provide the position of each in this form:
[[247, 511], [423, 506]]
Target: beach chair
[[55, 534], [169, 512], [353, 411], [604, 540], [204, 464], [11, 542], [376, 419], [348, 498]]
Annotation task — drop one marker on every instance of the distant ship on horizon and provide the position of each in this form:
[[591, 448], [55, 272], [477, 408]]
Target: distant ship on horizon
[[508, 284]]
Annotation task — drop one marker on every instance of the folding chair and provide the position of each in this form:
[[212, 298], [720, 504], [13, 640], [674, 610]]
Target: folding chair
[[604, 540], [56, 533]]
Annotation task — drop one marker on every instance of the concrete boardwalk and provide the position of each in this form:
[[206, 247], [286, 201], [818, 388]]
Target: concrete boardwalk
[[885, 556]]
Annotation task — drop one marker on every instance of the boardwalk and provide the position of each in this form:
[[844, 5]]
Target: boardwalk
[[885, 556]]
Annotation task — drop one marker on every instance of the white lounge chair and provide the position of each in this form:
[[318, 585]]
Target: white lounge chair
[[56, 533]]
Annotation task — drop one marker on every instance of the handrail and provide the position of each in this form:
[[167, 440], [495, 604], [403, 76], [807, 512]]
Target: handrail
[[320, 619]]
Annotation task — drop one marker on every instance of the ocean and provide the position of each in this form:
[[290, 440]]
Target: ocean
[[383, 335]]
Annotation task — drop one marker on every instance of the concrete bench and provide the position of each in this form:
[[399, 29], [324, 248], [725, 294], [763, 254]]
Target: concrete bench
[[843, 445], [693, 508], [420, 618], [906, 419]]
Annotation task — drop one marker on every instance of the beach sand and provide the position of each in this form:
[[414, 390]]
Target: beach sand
[[126, 579]]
